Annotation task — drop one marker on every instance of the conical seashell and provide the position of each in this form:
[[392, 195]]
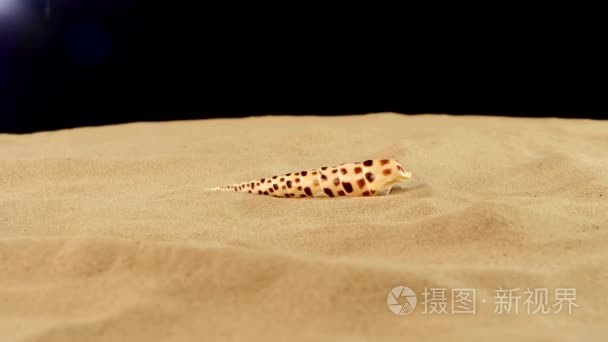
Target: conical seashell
[[368, 178]]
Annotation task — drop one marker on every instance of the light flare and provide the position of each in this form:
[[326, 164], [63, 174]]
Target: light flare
[[9, 7]]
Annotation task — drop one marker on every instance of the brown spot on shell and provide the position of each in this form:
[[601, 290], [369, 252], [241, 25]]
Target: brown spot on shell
[[262, 180], [265, 192], [259, 192], [384, 161], [324, 168], [328, 192], [282, 179], [315, 182], [366, 193], [289, 184], [275, 186], [368, 163], [296, 174], [283, 187], [361, 183], [270, 190], [323, 177], [274, 177], [334, 171], [289, 174], [297, 180], [299, 188], [250, 191], [336, 181], [387, 172], [307, 191], [304, 173], [302, 195], [343, 171], [347, 187], [370, 177], [314, 173], [341, 193], [358, 169]]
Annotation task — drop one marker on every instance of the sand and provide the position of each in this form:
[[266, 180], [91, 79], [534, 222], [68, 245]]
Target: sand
[[106, 233]]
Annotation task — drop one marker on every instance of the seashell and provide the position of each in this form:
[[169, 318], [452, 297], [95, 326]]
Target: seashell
[[368, 178]]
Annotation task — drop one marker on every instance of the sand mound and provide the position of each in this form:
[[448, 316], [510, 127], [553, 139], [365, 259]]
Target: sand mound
[[107, 234]]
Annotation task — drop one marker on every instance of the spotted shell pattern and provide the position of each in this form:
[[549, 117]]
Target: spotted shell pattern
[[368, 178]]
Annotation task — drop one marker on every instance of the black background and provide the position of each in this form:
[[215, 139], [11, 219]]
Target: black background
[[105, 61]]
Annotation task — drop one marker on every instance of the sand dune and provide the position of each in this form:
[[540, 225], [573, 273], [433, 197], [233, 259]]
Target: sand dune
[[107, 232]]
